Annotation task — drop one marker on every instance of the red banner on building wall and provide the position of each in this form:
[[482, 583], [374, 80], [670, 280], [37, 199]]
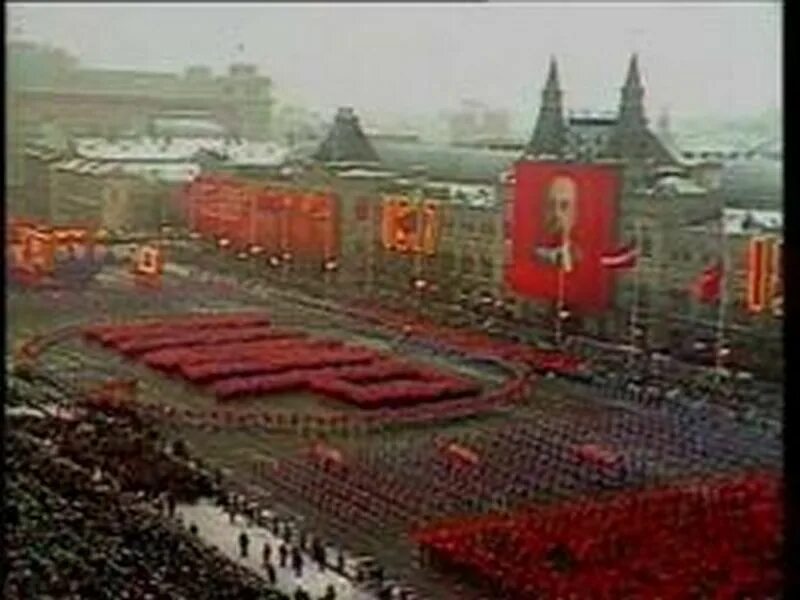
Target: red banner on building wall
[[279, 220], [563, 221]]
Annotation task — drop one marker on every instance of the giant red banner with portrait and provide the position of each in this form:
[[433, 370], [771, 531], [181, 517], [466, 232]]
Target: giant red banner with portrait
[[563, 220]]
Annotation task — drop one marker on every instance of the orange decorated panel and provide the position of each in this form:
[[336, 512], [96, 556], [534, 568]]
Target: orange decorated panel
[[410, 226]]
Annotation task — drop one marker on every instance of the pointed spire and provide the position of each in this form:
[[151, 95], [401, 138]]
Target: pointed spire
[[552, 76], [549, 133], [631, 138], [631, 109], [633, 80]]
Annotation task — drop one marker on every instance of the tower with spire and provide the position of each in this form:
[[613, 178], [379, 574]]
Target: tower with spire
[[549, 134], [630, 139], [631, 108]]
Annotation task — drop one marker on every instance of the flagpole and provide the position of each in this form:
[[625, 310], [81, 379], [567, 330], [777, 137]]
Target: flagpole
[[371, 244], [561, 286], [636, 286], [417, 249], [723, 299]]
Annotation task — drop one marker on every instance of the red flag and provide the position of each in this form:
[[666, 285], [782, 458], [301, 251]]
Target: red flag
[[622, 258], [708, 285]]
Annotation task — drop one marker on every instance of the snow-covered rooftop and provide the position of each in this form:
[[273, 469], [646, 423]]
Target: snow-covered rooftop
[[678, 185], [168, 172], [742, 221], [366, 174], [236, 153]]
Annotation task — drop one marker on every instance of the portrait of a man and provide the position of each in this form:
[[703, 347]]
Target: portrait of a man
[[561, 222], [556, 247]]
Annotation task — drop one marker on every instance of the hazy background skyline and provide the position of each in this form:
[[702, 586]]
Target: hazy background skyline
[[697, 60]]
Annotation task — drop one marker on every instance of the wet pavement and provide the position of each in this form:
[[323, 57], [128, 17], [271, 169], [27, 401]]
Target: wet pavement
[[214, 528]]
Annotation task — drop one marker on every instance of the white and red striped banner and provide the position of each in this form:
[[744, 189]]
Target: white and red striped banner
[[623, 258]]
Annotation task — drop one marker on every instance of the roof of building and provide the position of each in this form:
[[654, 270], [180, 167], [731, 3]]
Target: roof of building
[[745, 221], [183, 150], [176, 126], [753, 183], [170, 172], [678, 185], [446, 163], [346, 141]]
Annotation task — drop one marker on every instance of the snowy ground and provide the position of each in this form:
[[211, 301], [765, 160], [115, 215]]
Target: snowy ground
[[215, 528]]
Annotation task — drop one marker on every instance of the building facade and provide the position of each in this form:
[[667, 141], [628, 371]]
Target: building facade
[[49, 88]]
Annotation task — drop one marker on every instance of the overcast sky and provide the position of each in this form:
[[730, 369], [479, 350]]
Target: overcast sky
[[697, 59]]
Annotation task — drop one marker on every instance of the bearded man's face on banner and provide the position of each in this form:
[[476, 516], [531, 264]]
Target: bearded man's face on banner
[[561, 207]]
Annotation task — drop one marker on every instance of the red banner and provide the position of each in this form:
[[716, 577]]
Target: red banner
[[764, 277], [707, 287], [563, 223], [278, 220]]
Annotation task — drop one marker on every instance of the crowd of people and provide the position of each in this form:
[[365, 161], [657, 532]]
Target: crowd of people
[[91, 500], [90, 513], [635, 545], [656, 381]]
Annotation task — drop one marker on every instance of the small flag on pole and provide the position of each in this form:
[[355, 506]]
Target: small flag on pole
[[707, 287], [622, 258]]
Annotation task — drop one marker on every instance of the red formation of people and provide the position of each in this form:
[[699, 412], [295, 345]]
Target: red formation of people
[[718, 539], [243, 356]]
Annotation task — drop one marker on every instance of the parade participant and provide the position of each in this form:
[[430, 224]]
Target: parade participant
[[319, 553], [171, 505], [297, 562], [287, 533], [244, 542], [266, 553], [283, 553], [301, 594], [340, 563], [272, 576], [231, 506], [330, 593]]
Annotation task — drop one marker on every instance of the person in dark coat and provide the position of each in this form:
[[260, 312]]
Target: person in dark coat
[[266, 553], [340, 566], [231, 507], [318, 552], [244, 542], [283, 554], [330, 593], [297, 562], [272, 576], [301, 594], [171, 504], [287, 533]]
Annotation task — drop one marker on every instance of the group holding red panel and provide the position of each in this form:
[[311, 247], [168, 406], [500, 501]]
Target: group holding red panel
[[719, 539], [243, 355]]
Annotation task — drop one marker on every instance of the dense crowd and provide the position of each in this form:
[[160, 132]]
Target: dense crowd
[[717, 539], [83, 516], [656, 382]]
